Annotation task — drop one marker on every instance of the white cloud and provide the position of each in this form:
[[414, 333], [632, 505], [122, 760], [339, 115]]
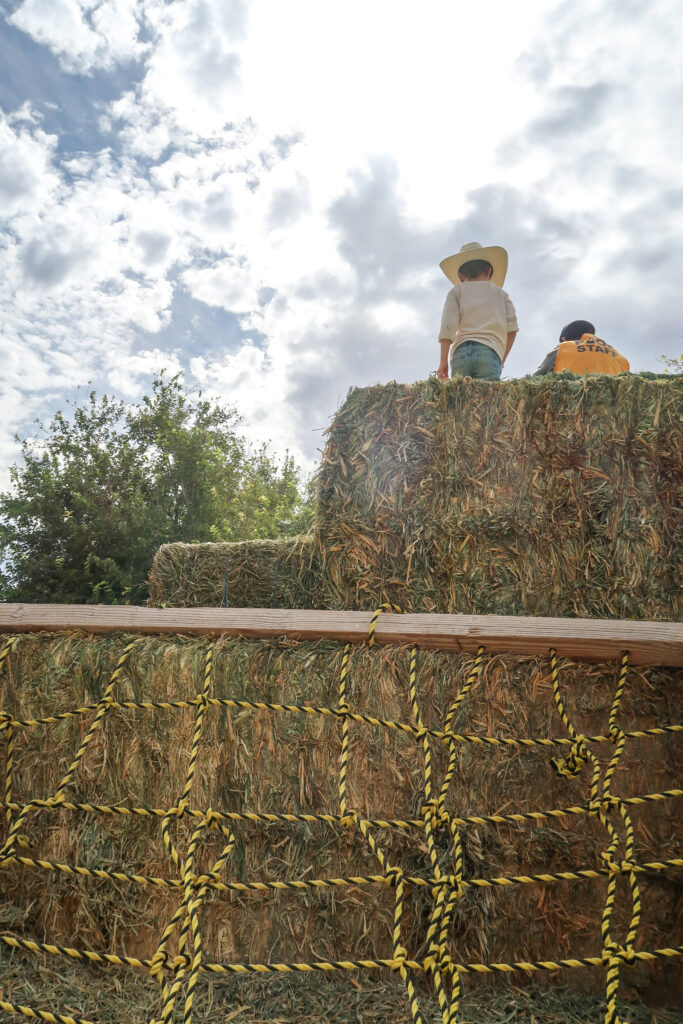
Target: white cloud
[[27, 179], [305, 168], [84, 34], [194, 65], [225, 284], [390, 317], [128, 373], [250, 381]]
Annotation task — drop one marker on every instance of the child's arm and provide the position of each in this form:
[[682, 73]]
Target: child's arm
[[510, 342], [548, 364], [512, 325], [442, 372], [450, 319]]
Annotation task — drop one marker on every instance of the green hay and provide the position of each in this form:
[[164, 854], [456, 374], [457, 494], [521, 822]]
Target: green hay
[[247, 574], [543, 496], [257, 760]]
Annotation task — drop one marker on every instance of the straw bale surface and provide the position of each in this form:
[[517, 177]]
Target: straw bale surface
[[300, 998], [244, 574], [275, 762], [542, 496]]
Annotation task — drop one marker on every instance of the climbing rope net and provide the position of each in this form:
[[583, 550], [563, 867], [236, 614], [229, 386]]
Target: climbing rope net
[[178, 974]]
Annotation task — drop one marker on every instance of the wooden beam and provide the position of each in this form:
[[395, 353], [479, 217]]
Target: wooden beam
[[648, 643]]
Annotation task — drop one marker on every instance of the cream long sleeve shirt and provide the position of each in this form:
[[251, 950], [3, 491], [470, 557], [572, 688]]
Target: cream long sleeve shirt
[[478, 311]]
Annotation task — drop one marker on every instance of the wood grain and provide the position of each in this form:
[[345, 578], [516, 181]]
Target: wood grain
[[648, 643]]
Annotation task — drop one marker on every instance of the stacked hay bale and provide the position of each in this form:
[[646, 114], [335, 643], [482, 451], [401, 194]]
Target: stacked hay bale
[[275, 762], [245, 574], [541, 496], [550, 496]]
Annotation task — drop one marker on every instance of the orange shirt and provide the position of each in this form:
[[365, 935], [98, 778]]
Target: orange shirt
[[589, 355]]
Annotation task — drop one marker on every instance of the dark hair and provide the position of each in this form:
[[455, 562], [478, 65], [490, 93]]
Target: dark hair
[[574, 330], [473, 268]]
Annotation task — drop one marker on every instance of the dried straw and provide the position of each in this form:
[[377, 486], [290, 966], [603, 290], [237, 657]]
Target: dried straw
[[257, 760], [245, 574], [114, 998], [542, 496]]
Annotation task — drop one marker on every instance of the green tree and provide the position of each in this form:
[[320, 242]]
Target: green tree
[[99, 490], [672, 364]]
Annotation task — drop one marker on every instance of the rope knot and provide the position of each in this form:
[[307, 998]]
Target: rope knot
[[430, 809], [610, 952], [613, 866], [572, 764], [605, 805], [180, 962], [400, 956], [211, 819], [350, 820], [394, 875], [191, 880], [179, 808], [438, 959], [6, 720], [617, 867], [453, 882], [157, 964], [616, 734]]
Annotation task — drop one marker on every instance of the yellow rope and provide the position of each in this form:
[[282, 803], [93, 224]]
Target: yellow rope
[[178, 974]]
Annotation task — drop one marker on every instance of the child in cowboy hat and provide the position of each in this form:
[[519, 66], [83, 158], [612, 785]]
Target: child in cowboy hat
[[479, 323]]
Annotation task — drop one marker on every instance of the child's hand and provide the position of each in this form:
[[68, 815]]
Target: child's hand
[[442, 372]]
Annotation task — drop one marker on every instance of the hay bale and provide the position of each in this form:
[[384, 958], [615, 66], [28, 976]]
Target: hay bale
[[244, 574], [286, 762], [542, 496]]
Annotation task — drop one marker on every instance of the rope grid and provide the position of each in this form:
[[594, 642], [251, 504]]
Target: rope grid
[[179, 974]]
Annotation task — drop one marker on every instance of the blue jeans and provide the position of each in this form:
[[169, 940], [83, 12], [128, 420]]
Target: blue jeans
[[472, 359]]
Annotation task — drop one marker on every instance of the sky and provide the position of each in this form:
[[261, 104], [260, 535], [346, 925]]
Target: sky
[[258, 193]]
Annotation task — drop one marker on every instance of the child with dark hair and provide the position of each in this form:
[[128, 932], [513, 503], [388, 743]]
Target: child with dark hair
[[580, 351], [479, 323]]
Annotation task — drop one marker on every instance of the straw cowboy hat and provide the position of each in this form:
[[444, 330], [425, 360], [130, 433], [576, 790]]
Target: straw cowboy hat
[[496, 256]]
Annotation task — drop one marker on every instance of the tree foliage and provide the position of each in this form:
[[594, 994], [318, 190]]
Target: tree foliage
[[672, 364], [99, 490]]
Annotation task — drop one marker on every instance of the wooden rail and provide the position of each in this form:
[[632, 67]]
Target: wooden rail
[[648, 643]]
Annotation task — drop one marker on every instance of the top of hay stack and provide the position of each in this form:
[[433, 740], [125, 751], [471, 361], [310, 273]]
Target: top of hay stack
[[541, 496]]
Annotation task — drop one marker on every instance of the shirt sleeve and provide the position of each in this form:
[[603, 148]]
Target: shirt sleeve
[[450, 318], [548, 364], [511, 314]]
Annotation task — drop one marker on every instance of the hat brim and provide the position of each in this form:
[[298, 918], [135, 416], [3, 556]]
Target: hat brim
[[494, 254]]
